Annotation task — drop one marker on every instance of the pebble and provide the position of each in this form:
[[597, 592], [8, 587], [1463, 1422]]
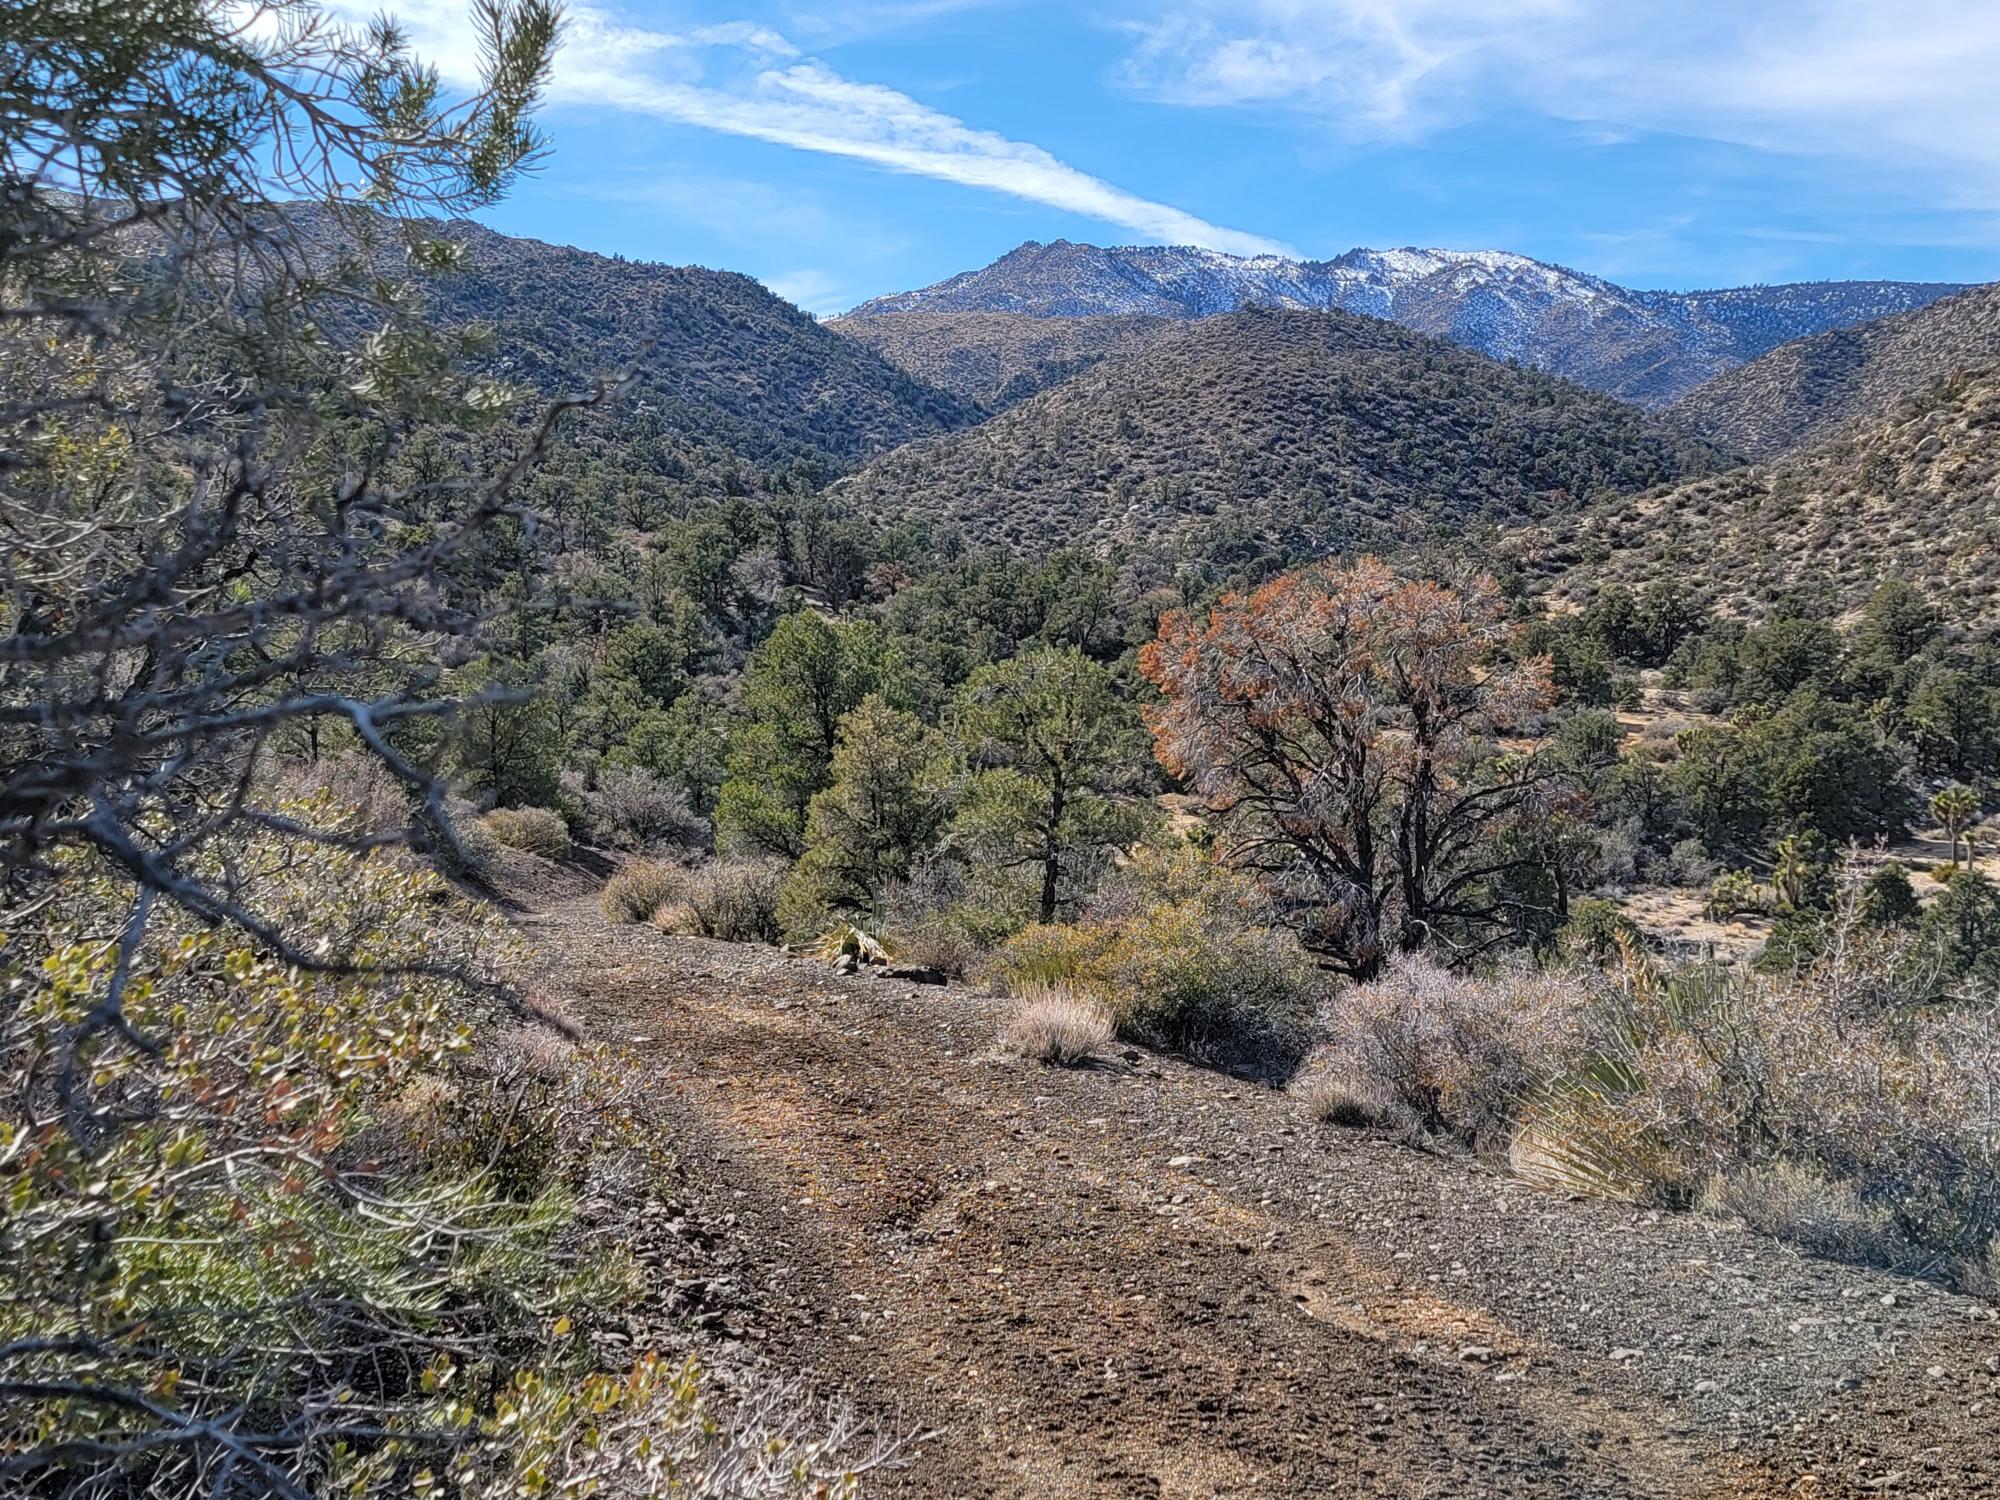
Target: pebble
[[1478, 1353]]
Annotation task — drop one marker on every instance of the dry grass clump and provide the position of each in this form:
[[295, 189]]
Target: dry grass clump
[[1819, 1213], [735, 900], [534, 830], [1055, 1025], [641, 888], [1338, 1096]]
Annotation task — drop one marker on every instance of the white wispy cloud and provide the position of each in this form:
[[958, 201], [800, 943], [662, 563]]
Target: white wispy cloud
[[746, 80], [1901, 87]]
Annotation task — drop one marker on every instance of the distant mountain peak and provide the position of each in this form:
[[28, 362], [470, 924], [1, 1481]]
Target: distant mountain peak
[[1650, 347]]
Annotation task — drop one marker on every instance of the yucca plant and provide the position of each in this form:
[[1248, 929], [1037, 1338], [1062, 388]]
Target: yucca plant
[[849, 941]]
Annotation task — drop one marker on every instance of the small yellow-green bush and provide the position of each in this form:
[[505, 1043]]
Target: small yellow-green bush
[[1177, 958], [534, 830], [641, 889], [1053, 954]]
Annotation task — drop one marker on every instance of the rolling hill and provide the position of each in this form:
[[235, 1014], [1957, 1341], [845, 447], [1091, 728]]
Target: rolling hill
[[1643, 346], [726, 362], [1295, 431], [994, 359], [1806, 391], [1914, 496]]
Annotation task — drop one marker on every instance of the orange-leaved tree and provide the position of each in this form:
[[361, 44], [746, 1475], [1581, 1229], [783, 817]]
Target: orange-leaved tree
[[1343, 725]]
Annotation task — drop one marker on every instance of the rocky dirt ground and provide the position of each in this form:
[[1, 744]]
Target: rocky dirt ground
[[1148, 1279]]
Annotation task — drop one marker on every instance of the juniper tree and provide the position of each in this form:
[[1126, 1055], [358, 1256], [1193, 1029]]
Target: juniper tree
[[213, 350], [1053, 748]]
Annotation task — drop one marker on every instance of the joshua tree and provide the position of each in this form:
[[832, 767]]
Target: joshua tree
[[1955, 807]]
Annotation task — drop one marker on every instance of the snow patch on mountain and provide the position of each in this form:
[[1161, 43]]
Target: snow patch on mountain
[[1645, 346]]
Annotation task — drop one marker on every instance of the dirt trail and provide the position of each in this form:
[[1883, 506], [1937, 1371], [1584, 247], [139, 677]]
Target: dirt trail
[[1151, 1280]]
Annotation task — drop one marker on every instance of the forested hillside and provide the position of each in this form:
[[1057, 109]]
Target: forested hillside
[[1302, 431], [725, 362], [1912, 498]]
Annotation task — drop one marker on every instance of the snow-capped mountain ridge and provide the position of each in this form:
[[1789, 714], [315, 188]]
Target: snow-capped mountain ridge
[[1646, 346]]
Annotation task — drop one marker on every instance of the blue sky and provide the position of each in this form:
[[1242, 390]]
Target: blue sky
[[840, 150]]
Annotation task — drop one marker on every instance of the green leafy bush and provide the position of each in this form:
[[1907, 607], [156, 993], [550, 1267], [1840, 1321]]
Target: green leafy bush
[[320, 1172], [1598, 931], [1734, 892], [1177, 957]]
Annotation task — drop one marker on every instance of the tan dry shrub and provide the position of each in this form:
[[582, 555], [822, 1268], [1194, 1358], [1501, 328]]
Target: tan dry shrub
[[1979, 1273], [1055, 1025], [941, 944], [1819, 1213], [1462, 1053], [641, 889], [535, 1051], [533, 830], [735, 900]]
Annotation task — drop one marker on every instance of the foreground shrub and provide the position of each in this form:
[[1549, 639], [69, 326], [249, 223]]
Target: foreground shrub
[[735, 900], [1864, 1119], [1058, 1026], [364, 1169], [641, 888], [1175, 955], [534, 830]]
